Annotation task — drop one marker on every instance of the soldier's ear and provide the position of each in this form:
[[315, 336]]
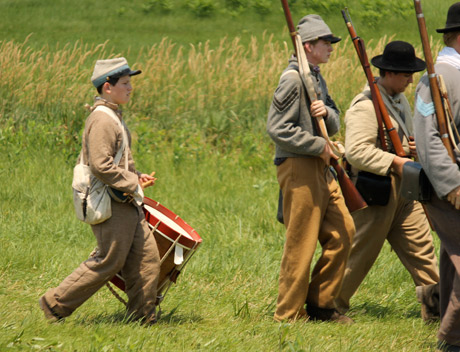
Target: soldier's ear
[[106, 88], [308, 47]]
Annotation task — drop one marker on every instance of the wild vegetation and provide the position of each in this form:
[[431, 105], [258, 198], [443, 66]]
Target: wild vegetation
[[198, 119]]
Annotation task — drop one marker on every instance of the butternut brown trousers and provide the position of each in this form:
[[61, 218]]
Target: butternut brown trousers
[[125, 244], [404, 225], [446, 221], [314, 210]]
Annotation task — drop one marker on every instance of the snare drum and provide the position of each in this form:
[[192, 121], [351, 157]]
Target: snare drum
[[177, 241]]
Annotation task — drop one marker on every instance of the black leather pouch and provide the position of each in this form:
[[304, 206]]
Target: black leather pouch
[[375, 189], [117, 195], [415, 184]]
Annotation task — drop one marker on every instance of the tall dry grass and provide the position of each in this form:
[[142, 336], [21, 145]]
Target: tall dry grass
[[217, 92]]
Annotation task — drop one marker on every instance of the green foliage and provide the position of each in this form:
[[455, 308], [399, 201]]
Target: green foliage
[[146, 22], [202, 8], [262, 7], [376, 11], [162, 6], [236, 4], [325, 7]]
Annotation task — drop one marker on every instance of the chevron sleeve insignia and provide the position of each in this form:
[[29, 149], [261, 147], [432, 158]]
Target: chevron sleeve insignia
[[425, 109], [283, 103]]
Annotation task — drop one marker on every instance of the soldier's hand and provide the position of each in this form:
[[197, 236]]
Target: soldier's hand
[[327, 154], [147, 180], [412, 148], [454, 197], [318, 109], [398, 163]]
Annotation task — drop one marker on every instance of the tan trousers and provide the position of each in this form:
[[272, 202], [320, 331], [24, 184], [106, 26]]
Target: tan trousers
[[125, 244], [404, 225], [314, 210], [446, 221]]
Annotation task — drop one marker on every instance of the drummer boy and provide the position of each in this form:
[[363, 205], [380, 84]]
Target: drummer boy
[[124, 241]]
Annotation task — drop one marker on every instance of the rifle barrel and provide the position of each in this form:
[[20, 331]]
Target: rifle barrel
[[434, 84], [353, 198], [290, 23], [377, 100]]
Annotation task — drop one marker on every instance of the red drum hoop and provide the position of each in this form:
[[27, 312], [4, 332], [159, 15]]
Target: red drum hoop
[[183, 232], [177, 241]]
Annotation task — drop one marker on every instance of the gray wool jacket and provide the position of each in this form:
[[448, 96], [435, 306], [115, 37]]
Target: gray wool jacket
[[289, 122], [443, 174]]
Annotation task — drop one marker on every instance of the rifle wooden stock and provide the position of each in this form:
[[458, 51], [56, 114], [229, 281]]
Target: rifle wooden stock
[[353, 199], [379, 106], [434, 84]]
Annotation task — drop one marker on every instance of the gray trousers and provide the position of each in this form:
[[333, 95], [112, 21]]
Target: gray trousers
[[125, 244], [446, 221]]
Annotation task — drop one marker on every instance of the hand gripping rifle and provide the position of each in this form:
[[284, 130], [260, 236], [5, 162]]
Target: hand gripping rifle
[[353, 198], [379, 106], [435, 84]]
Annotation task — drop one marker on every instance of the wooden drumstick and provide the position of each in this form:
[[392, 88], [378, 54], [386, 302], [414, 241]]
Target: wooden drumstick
[[146, 184], [150, 182]]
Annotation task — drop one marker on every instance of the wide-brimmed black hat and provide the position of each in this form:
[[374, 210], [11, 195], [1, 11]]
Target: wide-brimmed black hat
[[399, 56], [453, 19]]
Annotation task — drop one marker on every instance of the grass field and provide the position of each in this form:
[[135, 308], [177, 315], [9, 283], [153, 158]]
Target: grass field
[[224, 300], [198, 119], [127, 24]]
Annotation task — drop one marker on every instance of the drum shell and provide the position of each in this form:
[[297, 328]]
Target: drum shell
[[168, 270], [167, 239]]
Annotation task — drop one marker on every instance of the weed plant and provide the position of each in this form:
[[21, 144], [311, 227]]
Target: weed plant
[[217, 97]]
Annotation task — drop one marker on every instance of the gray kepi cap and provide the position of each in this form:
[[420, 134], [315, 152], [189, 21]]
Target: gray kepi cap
[[111, 68], [312, 27]]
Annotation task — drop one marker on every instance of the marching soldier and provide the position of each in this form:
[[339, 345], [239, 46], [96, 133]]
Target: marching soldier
[[313, 207], [124, 240], [444, 175], [388, 216]]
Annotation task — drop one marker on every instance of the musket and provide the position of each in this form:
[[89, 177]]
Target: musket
[[379, 106], [353, 199], [434, 83]]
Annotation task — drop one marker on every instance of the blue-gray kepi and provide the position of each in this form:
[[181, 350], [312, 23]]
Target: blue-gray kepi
[[111, 68], [398, 56], [312, 27], [453, 19]]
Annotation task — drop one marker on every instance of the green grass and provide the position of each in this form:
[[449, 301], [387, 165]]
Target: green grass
[[128, 27], [204, 135], [225, 298]]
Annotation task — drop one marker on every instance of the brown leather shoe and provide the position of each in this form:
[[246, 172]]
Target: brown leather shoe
[[325, 314], [51, 315], [152, 318], [428, 296]]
